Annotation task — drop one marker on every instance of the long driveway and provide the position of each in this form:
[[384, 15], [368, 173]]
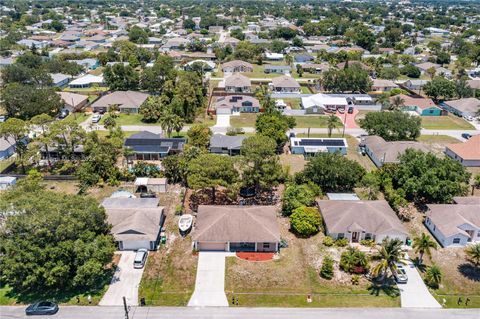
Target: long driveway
[[210, 281], [414, 294], [125, 282]]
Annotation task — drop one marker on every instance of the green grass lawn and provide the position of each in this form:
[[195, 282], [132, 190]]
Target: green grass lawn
[[294, 103], [243, 120], [129, 119], [78, 117], [442, 139], [311, 121], [450, 122], [87, 90]]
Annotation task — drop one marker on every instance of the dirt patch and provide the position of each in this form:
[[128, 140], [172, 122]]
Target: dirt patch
[[254, 256]]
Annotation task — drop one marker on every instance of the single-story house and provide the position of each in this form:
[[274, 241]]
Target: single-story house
[[419, 105], [462, 107], [127, 101], [273, 56], [236, 228], [86, 81], [280, 69], [383, 152], [151, 185], [312, 146], [427, 65], [237, 66], [316, 68], [7, 182], [454, 224], [302, 58], [225, 144], [59, 79], [207, 66], [381, 85], [73, 101], [467, 153], [467, 200], [136, 222], [88, 64], [150, 146], [238, 83], [57, 153], [319, 103], [174, 44], [357, 220], [7, 147], [285, 84], [235, 104], [415, 85]]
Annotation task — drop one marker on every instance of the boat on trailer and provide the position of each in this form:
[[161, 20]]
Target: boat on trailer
[[185, 223]]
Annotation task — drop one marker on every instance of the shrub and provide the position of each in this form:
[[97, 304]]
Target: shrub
[[353, 261], [341, 242], [299, 195], [355, 279], [327, 268], [368, 242], [305, 221], [433, 276], [328, 241]]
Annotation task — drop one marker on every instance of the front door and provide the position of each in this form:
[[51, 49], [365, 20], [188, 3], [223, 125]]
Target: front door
[[355, 236]]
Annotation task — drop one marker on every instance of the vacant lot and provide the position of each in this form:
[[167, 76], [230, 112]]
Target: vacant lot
[[437, 143], [449, 122], [311, 121], [287, 281], [169, 277]]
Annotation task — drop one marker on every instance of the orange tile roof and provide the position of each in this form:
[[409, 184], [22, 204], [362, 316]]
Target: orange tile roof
[[469, 150]]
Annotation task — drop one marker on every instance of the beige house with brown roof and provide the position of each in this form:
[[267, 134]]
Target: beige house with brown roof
[[454, 224], [285, 84], [357, 220], [127, 101], [467, 153], [73, 101], [237, 66], [238, 83], [236, 228]]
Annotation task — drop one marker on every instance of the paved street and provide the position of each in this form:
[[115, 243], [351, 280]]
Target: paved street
[[210, 281], [74, 312], [125, 282]]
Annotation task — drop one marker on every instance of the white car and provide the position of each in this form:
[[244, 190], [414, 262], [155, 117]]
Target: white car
[[400, 274], [96, 118], [140, 258], [468, 118]]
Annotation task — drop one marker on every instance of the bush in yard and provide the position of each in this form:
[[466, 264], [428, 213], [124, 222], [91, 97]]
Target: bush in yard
[[299, 195], [305, 221], [355, 279], [341, 242], [327, 268], [354, 261], [328, 241], [368, 242]]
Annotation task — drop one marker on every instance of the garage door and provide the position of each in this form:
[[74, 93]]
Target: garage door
[[212, 246], [135, 245]]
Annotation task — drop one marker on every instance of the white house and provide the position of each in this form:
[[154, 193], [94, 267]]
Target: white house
[[319, 103]]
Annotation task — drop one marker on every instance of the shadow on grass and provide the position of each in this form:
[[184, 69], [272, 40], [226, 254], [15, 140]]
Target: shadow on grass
[[470, 271], [421, 267], [64, 296], [387, 287]]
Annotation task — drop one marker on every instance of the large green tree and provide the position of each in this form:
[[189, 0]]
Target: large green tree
[[440, 88], [199, 135], [349, 79], [55, 242], [121, 77], [392, 126], [275, 126], [295, 196], [15, 131]]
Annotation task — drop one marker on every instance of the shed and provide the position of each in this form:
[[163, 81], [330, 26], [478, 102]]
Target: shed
[[7, 182]]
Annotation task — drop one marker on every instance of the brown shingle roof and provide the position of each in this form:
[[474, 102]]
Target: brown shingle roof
[[237, 63], [236, 224], [390, 151], [468, 150], [285, 81], [124, 99], [237, 80], [468, 200], [447, 217], [470, 104]]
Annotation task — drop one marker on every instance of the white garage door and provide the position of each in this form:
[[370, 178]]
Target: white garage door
[[212, 246], [135, 245]]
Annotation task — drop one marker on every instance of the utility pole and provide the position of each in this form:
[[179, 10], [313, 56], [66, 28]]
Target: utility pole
[[125, 307], [344, 124]]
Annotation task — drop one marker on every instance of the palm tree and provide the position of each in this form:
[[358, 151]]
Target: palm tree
[[168, 121], [384, 100], [473, 253], [333, 122], [178, 124], [265, 99], [396, 103], [422, 245], [288, 59], [389, 254], [433, 276]]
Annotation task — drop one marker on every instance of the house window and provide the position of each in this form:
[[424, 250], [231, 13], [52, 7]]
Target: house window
[[456, 240], [266, 245], [340, 235], [434, 227], [368, 236]]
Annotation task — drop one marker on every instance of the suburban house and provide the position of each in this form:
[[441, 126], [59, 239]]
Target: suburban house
[[88, 64], [73, 101], [316, 68], [207, 66], [148, 146], [127, 101], [427, 65], [237, 66], [59, 79], [302, 58], [454, 224], [136, 222], [236, 228], [381, 85], [225, 144], [285, 84], [357, 220], [312, 146], [319, 103], [174, 44], [7, 148], [467, 153], [279, 69], [467, 200], [272, 56], [238, 83], [415, 85], [419, 105], [86, 81], [150, 185], [383, 152], [236, 103], [462, 107]]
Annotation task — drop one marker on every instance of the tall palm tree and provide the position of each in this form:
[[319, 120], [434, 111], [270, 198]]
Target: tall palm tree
[[333, 122], [433, 276], [384, 100], [473, 253], [178, 124], [167, 122], [389, 254], [396, 103], [423, 245]]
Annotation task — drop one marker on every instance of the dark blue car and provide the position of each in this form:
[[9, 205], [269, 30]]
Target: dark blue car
[[42, 308]]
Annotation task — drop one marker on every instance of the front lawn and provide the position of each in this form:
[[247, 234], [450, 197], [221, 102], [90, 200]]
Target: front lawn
[[243, 120], [311, 121], [78, 117], [449, 122]]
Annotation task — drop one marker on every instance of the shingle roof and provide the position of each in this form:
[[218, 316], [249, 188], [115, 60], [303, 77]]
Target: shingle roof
[[447, 217], [147, 142], [236, 224], [389, 152], [470, 104], [69, 98], [237, 80], [231, 142], [468, 150], [237, 63], [468, 200], [124, 99], [375, 217], [285, 81]]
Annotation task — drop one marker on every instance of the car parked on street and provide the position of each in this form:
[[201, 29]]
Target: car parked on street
[[42, 308], [400, 274], [466, 135], [140, 258]]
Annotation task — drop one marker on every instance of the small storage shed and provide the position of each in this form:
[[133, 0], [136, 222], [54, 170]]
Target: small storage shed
[[151, 185]]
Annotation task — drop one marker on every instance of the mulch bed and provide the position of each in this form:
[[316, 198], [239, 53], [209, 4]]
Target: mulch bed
[[255, 256]]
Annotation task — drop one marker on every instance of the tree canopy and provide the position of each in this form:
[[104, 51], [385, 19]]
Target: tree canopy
[[392, 126]]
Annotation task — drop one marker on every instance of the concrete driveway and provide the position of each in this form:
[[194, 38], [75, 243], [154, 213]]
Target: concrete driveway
[[223, 120], [414, 294], [210, 281], [125, 282]]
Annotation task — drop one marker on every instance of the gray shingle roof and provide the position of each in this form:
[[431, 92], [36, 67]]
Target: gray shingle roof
[[230, 142]]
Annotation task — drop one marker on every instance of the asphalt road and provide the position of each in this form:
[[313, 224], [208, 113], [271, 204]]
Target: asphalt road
[[73, 312]]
